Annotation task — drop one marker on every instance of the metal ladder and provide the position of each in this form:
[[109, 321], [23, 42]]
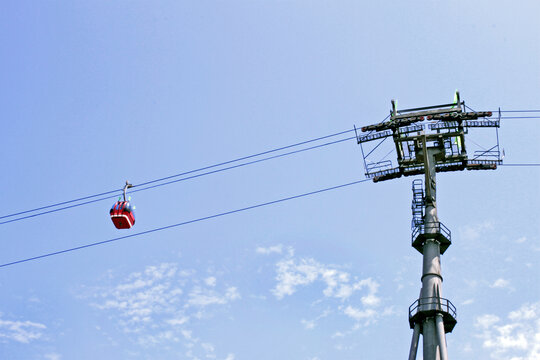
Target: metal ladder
[[418, 204]]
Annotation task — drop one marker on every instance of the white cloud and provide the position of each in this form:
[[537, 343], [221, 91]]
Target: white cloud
[[156, 293], [52, 356], [390, 310], [177, 321], [473, 232], [467, 302], [293, 273], [187, 334], [210, 281], [232, 293], [370, 299], [308, 324], [521, 240], [203, 297], [467, 348], [276, 249], [517, 339], [486, 321], [526, 312], [500, 284], [208, 348], [360, 315], [159, 305], [311, 324], [20, 331]]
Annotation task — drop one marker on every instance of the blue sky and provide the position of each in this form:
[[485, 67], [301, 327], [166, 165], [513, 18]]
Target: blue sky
[[97, 92]]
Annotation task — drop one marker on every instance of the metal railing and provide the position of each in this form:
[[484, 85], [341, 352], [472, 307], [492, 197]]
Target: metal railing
[[449, 125], [487, 155], [406, 130], [431, 228], [371, 137], [483, 162], [482, 123], [436, 304], [381, 168]]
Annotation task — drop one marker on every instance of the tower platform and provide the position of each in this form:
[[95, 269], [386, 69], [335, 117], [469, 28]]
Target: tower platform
[[431, 230], [428, 307]]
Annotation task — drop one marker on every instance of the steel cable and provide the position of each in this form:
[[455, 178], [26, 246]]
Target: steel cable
[[180, 224], [117, 191]]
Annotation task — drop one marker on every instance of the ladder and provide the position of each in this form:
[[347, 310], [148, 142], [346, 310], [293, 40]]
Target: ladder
[[418, 204]]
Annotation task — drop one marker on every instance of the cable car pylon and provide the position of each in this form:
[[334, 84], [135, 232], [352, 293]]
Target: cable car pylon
[[428, 140]]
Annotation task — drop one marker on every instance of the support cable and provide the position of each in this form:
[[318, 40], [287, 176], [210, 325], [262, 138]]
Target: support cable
[[520, 117], [181, 179], [172, 176], [532, 164], [79, 203], [512, 111], [181, 224], [515, 111]]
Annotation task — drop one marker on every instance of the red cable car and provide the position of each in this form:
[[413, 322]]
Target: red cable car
[[122, 214]]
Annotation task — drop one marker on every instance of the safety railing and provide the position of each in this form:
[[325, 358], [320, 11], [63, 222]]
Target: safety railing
[[406, 130], [381, 168], [432, 228], [449, 125], [375, 136], [482, 123], [487, 155], [432, 304]]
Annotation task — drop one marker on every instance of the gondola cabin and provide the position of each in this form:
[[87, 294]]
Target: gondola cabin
[[122, 215]]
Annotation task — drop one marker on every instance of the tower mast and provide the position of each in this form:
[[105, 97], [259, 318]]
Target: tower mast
[[428, 148]]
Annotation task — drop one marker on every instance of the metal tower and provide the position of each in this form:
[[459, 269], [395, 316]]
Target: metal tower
[[429, 140]]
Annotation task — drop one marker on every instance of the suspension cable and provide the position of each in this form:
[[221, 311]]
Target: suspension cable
[[165, 178], [180, 224], [80, 201]]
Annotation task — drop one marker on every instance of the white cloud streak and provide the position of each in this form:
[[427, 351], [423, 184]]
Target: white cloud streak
[[294, 273], [516, 339], [276, 249], [500, 284], [311, 324], [474, 232], [20, 331], [210, 281], [158, 305], [52, 356]]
